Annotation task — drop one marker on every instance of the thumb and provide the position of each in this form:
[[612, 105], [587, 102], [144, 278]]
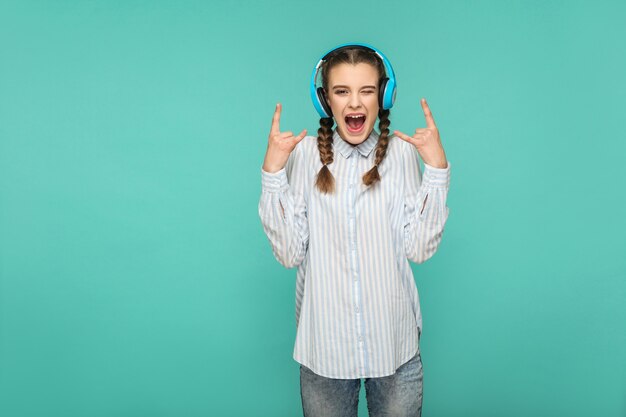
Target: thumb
[[300, 136]]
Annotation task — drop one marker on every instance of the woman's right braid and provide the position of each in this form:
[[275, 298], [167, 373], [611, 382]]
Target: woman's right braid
[[325, 181]]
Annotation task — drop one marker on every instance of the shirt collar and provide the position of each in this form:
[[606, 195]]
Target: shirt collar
[[346, 149]]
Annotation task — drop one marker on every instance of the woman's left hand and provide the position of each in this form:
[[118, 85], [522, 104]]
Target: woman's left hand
[[427, 141]]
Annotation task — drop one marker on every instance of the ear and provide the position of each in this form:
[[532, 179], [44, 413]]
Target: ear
[[327, 97]]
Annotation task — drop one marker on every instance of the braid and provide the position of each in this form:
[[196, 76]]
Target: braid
[[372, 176], [325, 181]]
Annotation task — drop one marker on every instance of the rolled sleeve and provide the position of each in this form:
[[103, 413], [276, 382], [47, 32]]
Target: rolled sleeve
[[274, 182], [436, 177]]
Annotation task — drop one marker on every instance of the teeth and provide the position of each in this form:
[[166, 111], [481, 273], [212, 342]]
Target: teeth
[[356, 117]]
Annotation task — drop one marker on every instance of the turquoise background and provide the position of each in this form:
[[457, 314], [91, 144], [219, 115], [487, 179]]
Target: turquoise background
[[135, 277]]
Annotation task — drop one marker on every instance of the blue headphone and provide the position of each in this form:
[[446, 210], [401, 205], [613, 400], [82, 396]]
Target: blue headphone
[[387, 91]]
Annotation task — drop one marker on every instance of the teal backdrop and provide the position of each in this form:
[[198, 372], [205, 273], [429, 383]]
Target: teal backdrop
[[135, 277]]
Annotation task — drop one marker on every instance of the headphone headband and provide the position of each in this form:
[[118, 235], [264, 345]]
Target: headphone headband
[[387, 94]]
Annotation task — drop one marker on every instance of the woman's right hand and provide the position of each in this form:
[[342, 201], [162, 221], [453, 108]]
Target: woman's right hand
[[279, 144]]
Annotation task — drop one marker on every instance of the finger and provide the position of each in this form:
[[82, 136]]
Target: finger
[[276, 119], [421, 130], [285, 135], [403, 136], [430, 122]]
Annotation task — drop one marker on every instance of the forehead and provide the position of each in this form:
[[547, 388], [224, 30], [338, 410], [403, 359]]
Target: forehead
[[353, 75]]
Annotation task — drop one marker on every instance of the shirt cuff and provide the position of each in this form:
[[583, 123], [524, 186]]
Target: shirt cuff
[[274, 182], [436, 177]]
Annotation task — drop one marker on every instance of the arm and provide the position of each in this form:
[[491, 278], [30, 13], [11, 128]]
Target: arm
[[283, 211], [425, 210]]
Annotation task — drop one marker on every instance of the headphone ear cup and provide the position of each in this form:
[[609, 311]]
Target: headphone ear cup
[[382, 91], [324, 104]]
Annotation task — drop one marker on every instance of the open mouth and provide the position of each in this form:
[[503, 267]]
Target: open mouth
[[355, 122]]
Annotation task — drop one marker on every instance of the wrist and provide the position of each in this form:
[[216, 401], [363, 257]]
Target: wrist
[[438, 164], [270, 168]]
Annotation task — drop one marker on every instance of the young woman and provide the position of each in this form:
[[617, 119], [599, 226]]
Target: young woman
[[349, 208]]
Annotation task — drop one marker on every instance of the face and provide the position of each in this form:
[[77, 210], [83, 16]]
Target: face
[[353, 98]]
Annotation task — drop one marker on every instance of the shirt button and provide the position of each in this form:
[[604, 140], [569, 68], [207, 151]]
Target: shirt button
[[356, 309]]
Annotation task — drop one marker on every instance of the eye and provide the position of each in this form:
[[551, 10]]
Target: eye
[[341, 91], [368, 91]]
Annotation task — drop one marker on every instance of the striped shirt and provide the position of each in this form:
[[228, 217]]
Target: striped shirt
[[357, 306]]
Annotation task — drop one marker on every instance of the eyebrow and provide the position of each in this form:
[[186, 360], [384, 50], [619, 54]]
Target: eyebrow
[[345, 86]]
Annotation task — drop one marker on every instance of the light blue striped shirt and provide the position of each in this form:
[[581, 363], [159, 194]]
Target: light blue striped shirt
[[357, 307]]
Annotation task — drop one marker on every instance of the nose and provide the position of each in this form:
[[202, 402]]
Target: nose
[[355, 101]]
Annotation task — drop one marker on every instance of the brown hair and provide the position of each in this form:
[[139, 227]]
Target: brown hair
[[325, 181]]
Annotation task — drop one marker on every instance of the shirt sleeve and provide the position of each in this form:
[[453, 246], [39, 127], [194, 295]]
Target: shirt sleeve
[[283, 211], [425, 209]]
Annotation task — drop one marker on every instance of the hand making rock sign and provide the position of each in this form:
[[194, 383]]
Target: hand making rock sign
[[427, 141], [279, 144]]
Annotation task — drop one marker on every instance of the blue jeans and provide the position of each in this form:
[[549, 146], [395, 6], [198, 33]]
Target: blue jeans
[[397, 395]]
